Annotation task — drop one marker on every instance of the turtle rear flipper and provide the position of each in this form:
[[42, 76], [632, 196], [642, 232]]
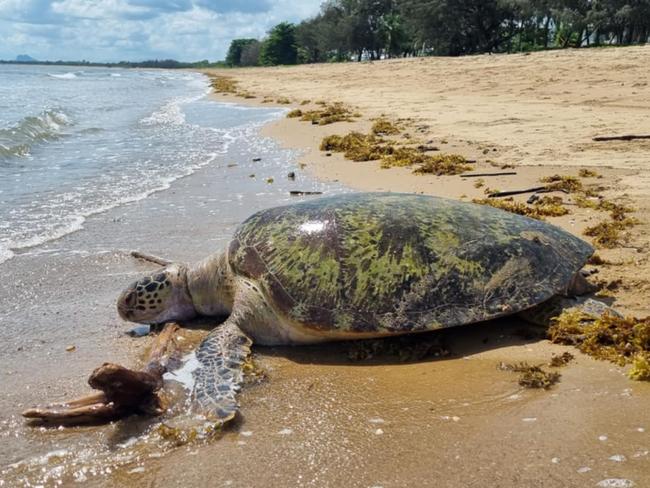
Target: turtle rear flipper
[[219, 375], [544, 313]]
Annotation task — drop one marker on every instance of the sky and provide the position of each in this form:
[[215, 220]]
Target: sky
[[135, 30]]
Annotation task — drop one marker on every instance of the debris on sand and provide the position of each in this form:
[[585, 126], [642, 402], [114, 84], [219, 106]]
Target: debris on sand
[[621, 340], [542, 207], [384, 127], [532, 376], [328, 114], [405, 348], [560, 360]]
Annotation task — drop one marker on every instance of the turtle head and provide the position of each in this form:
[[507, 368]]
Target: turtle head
[[159, 297]]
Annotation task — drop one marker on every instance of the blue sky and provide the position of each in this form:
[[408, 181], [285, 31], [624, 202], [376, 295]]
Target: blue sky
[[114, 30]]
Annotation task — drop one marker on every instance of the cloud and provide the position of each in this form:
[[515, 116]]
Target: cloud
[[225, 6], [114, 30]]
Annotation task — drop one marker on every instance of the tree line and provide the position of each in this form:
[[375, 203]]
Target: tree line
[[375, 29]]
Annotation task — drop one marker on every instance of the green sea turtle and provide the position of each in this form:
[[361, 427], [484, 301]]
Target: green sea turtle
[[357, 266]]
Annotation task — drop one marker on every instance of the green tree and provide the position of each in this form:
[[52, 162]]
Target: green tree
[[280, 46], [237, 46]]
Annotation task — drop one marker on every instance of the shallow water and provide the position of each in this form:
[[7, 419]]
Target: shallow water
[[318, 419]]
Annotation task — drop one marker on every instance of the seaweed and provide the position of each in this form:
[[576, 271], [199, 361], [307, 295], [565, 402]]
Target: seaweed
[[588, 173], [563, 359], [532, 376], [294, 114], [597, 260], [569, 184], [405, 348], [404, 156], [479, 183], [443, 164], [305, 102], [610, 234], [223, 84], [543, 207], [356, 146], [283, 101], [384, 127], [620, 340], [330, 113], [640, 370]]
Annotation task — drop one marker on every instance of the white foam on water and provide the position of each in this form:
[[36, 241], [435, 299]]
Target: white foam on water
[[64, 76], [5, 254], [184, 375]]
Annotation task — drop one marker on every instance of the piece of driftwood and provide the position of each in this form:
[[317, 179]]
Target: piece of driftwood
[[482, 175], [122, 392], [295, 193], [150, 258], [536, 189], [628, 137]]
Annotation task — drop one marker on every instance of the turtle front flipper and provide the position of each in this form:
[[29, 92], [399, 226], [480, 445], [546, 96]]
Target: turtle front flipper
[[219, 375]]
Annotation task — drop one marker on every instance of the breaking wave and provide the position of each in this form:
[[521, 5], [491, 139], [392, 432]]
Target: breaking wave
[[19, 139], [64, 76]]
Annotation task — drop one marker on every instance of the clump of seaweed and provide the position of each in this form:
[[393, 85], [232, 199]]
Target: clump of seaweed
[[283, 101], [543, 207], [368, 147], [597, 260], [384, 127], [405, 348], [621, 340], [532, 376], [356, 146], [443, 164], [569, 184], [588, 173], [223, 84], [305, 102], [294, 114], [640, 367], [479, 183], [178, 437], [610, 234], [557, 361], [330, 113], [404, 156]]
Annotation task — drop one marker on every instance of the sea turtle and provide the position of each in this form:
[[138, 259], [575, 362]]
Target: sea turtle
[[357, 266]]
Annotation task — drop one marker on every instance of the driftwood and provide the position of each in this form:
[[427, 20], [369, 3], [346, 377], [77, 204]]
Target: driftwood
[[123, 391], [295, 193], [629, 137], [481, 175], [536, 189], [150, 258]]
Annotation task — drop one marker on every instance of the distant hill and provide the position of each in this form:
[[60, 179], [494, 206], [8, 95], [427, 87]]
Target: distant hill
[[25, 58]]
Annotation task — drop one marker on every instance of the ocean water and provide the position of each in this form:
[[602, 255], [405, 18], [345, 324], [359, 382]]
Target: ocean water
[[78, 141]]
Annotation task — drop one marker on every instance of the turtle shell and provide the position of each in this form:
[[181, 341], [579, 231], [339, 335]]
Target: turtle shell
[[386, 262]]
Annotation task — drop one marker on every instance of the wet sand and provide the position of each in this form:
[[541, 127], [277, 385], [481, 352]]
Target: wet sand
[[320, 419]]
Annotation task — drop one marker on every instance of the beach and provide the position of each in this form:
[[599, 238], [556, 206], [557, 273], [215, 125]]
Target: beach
[[319, 417]]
